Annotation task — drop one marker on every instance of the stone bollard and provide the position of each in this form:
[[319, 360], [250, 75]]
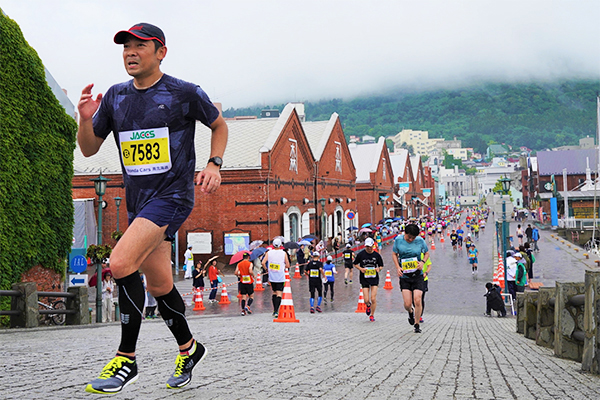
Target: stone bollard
[[568, 319], [27, 304], [544, 331], [520, 312], [568, 244], [80, 304], [586, 255], [590, 361], [576, 249], [530, 314]]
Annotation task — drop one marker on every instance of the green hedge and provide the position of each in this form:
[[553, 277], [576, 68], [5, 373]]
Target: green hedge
[[37, 140]]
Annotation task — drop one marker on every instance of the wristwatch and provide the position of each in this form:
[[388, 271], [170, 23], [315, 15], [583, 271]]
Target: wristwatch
[[218, 161]]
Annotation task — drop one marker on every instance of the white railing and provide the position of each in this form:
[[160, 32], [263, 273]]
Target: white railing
[[572, 223]]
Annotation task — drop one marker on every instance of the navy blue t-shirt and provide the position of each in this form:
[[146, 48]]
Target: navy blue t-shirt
[[143, 123]]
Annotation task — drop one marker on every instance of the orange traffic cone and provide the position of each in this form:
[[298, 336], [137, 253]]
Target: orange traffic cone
[[501, 272], [388, 281], [287, 274], [442, 239], [258, 287], [495, 280], [224, 296], [362, 307], [198, 304], [286, 311], [297, 273], [433, 245]]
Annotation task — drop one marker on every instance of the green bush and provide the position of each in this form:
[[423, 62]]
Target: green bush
[[37, 140]]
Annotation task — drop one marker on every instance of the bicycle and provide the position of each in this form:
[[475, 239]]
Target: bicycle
[[56, 319], [592, 246]]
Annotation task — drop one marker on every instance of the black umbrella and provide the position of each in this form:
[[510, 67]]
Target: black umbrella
[[291, 245]]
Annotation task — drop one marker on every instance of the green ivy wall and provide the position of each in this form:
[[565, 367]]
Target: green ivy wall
[[37, 139]]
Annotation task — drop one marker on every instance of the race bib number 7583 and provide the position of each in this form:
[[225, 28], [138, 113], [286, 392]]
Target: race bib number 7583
[[145, 151]]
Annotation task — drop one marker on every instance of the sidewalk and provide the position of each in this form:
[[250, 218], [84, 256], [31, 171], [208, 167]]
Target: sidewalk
[[329, 356]]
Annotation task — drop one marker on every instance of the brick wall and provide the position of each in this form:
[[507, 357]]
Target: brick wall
[[47, 280]]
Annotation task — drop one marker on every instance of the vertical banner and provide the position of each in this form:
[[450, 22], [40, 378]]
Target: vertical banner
[[554, 211]]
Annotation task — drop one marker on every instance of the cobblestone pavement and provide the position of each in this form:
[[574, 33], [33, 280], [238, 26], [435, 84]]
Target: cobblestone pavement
[[335, 355], [328, 356]]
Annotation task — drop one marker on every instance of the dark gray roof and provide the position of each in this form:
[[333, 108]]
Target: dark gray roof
[[553, 162]]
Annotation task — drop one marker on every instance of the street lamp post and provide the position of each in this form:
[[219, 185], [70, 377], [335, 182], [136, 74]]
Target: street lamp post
[[322, 201], [118, 204], [100, 187], [505, 189]]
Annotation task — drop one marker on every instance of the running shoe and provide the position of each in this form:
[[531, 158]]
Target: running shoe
[[312, 310], [372, 318], [346, 281], [184, 365], [318, 309], [417, 328], [411, 318], [351, 281], [421, 320], [243, 312], [332, 300], [118, 373], [275, 314], [368, 309], [324, 300], [248, 310]]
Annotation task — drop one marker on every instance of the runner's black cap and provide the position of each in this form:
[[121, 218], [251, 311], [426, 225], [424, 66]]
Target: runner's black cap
[[143, 31]]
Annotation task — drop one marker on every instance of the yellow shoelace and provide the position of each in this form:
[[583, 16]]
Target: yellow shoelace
[[113, 365], [180, 362]]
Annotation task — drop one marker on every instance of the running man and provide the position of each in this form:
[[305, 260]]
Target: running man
[[348, 263], [460, 234], [369, 263], [454, 239], [153, 120], [278, 263], [473, 252], [245, 272], [410, 255], [314, 271], [329, 271]]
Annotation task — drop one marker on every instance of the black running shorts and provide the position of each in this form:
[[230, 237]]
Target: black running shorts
[[246, 288], [412, 283]]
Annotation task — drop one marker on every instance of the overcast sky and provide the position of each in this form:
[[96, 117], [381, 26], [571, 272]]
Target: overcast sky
[[268, 52]]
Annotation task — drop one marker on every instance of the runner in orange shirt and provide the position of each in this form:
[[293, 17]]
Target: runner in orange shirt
[[245, 272]]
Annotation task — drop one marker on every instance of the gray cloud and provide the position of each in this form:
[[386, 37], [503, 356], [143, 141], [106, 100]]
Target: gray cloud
[[248, 52]]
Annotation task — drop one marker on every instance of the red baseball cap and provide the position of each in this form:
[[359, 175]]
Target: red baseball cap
[[143, 31]]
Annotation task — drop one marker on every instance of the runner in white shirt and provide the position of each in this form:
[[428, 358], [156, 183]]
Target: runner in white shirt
[[278, 262]]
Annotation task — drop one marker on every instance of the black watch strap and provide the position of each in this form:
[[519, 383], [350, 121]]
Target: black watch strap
[[218, 161]]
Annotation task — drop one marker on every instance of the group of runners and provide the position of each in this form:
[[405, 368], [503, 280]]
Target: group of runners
[[411, 259], [152, 118]]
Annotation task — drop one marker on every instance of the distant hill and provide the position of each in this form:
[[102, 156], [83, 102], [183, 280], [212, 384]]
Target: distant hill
[[536, 115]]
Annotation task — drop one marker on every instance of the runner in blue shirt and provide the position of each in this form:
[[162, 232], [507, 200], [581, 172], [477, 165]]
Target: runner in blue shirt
[[330, 272], [460, 234], [153, 121], [410, 254]]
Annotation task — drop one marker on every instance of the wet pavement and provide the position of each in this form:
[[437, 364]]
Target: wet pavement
[[338, 354]]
